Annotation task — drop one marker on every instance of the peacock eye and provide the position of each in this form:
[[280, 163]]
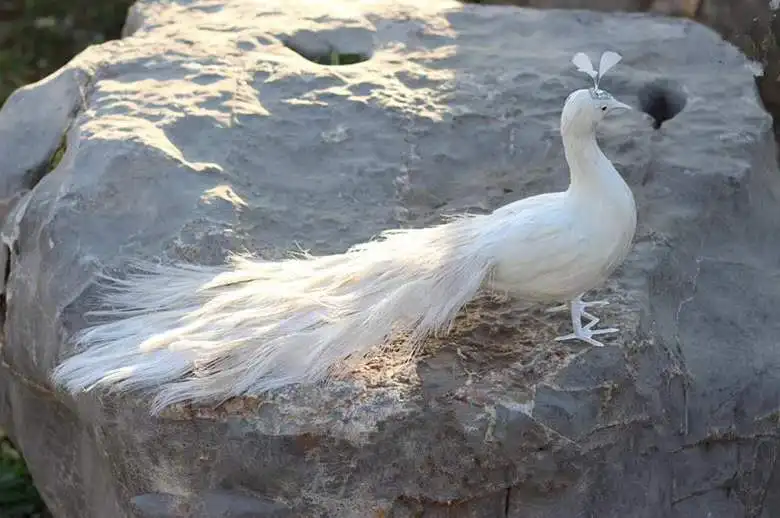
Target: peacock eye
[[603, 108]]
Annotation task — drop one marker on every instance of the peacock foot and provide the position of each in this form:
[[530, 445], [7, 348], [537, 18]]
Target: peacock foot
[[583, 332]]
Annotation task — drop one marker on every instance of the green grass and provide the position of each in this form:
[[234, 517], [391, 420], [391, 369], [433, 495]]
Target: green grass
[[56, 158], [39, 36], [336, 59], [18, 496]]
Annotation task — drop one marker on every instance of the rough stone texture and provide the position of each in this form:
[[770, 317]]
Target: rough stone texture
[[752, 25], [596, 5], [689, 8], [202, 132]]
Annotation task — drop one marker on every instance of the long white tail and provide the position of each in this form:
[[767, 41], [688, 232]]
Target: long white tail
[[194, 333]]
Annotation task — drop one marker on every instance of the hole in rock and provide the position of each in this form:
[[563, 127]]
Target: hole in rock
[[662, 99], [332, 58], [332, 48]]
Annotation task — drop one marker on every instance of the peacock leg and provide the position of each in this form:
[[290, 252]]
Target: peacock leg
[[578, 299], [585, 333]]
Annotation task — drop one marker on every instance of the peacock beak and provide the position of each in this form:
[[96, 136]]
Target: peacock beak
[[619, 106]]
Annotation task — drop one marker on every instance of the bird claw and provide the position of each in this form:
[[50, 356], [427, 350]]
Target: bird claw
[[581, 303], [583, 332], [557, 309], [587, 334]]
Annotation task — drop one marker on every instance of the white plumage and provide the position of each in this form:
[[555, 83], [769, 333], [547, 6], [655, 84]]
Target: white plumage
[[205, 334]]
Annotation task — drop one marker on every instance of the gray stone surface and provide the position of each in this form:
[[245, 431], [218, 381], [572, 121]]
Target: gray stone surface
[[202, 131]]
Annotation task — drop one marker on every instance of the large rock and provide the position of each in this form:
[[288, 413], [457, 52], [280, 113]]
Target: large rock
[[203, 131]]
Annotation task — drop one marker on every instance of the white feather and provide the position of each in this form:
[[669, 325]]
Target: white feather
[[608, 60], [206, 333], [584, 64]]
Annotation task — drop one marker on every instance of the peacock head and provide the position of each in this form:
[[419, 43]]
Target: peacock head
[[586, 107]]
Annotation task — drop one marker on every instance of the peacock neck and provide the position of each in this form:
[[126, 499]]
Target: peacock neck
[[591, 171]]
